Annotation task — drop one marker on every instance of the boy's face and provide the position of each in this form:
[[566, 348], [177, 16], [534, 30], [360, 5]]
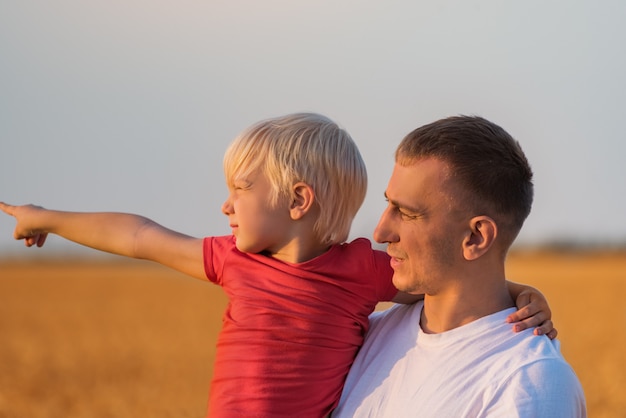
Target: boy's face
[[256, 224]]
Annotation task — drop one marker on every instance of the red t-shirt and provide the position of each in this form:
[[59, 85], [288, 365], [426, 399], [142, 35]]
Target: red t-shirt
[[291, 331]]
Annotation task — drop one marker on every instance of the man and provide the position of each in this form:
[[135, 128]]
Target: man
[[459, 193]]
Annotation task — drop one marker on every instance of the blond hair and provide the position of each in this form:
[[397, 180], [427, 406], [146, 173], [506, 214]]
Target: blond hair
[[310, 148]]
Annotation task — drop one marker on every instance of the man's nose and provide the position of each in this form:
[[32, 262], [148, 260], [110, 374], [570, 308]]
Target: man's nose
[[383, 231]]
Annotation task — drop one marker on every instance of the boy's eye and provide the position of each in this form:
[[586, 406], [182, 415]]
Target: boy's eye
[[241, 186]]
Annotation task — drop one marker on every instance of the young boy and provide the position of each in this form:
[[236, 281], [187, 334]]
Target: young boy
[[299, 296]]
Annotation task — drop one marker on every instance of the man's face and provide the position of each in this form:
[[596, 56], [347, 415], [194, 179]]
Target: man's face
[[424, 226]]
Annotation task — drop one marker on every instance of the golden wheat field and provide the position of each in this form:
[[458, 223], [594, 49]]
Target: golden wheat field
[[99, 339]]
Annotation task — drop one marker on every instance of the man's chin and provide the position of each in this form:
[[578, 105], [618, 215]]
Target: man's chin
[[400, 282], [406, 285]]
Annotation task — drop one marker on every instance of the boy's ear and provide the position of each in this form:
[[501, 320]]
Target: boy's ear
[[480, 237], [303, 198]]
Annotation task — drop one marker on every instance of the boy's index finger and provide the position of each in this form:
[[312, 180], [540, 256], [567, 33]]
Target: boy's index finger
[[6, 208]]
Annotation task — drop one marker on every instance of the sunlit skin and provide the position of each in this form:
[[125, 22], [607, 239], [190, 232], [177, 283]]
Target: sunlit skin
[[423, 243], [283, 231], [439, 248], [418, 229]]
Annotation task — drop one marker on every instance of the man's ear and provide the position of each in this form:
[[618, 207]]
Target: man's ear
[[480, 237], [303, 198]]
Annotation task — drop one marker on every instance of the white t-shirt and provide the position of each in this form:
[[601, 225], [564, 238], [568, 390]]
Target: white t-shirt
[[482, 369]]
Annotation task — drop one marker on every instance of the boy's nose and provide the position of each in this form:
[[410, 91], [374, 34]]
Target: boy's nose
[[227, 207]]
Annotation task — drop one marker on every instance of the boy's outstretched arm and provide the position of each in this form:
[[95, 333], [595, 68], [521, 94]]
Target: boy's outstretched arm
[[533, 310], [117, 233]]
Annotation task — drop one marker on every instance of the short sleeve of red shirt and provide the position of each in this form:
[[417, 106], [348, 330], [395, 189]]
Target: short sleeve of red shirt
[[216, 251]]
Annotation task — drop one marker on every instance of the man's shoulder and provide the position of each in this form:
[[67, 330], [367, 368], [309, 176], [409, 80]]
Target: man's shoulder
[[548, 381], [541, 356], [536, 347]]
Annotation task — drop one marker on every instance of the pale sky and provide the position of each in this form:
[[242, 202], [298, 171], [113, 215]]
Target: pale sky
[[129, 105]]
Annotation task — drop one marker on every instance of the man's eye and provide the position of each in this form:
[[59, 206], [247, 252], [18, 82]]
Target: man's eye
[[403, 214], [407, 216]]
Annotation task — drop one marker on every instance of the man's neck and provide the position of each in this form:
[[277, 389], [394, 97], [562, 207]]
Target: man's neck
[[443, 312]]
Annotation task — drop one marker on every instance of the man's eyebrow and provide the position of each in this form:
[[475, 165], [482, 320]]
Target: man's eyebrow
[[402, 206]]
